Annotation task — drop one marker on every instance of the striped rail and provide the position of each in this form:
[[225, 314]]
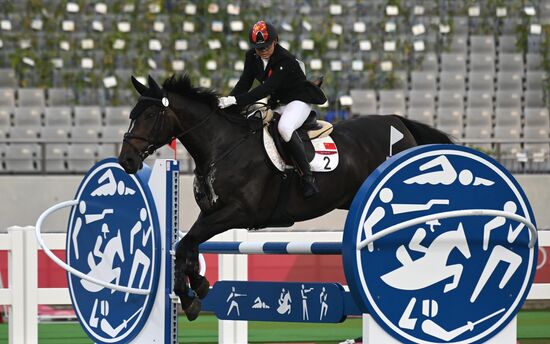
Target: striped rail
[[267, 247]]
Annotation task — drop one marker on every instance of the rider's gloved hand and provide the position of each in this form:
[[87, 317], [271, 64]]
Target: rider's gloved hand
[[224, 102]]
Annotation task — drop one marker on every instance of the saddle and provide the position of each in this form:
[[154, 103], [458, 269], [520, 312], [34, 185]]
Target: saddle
[[320, 148], [311, 129]]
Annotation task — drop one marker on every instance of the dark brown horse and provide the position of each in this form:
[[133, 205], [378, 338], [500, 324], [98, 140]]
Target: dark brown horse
[[235, 184]]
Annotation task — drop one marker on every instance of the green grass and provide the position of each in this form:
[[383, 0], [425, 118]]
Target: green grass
[[534, 325], [264, 332], [534, 328]]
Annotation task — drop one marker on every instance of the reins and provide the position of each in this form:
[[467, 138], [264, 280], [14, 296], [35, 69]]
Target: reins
[[242, 139], [201, 122], [154, 145], [164, 101], [231, 149]]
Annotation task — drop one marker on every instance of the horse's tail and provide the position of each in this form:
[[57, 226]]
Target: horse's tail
[[424, 134]]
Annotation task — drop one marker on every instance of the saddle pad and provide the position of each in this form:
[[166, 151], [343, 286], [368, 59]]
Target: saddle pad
[[326, 155], [325, 160]]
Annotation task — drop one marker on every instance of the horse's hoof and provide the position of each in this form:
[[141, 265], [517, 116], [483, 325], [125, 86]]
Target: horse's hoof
[[185, 302], [202, 288], [192, 312], [186, 297]]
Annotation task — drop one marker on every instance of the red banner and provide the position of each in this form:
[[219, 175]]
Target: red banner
[[543, 265]]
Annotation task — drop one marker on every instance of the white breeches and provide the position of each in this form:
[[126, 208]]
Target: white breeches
[[293, 115]]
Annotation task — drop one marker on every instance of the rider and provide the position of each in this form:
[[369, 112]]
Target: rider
[[282, 77]]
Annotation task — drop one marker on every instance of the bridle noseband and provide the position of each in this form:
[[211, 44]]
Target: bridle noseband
[[154, 145]]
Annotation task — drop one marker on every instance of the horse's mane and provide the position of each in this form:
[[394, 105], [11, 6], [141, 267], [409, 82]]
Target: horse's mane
[[181, 84]]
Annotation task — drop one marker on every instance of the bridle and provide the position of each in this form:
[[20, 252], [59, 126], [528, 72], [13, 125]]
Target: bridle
[[152, 146]]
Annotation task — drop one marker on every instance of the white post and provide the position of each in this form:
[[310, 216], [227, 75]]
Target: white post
[[508, 335], [374, 334], [16, 282], [30, 264], [161, 326], [233, 267]]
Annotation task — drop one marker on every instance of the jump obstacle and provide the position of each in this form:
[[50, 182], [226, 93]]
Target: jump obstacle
[[122, 229], [420, 263]]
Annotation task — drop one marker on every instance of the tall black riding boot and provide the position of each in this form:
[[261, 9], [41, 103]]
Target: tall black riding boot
[[298, 152]]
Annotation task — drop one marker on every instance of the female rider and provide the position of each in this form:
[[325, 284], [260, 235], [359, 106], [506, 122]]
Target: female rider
[[283, 79]]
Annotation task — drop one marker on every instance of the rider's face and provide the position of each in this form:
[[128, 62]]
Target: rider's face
[[266, 52]]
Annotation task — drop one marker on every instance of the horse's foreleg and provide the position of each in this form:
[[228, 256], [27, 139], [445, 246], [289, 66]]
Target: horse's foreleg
[[187, 257], [456, 272], [187, 262], [189, 301], [116, 273]]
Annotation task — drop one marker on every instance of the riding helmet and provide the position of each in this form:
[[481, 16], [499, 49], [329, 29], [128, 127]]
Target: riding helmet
[[262, 34]]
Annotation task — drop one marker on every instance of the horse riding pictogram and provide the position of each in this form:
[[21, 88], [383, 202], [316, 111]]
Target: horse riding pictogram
[[434, 261]]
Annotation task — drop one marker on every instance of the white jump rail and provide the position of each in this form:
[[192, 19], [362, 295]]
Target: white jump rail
[[451, 214], [24, 296]]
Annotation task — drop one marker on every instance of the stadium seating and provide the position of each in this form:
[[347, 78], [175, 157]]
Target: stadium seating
[[56, 158], [61, 97], [67, 80], [423, 115], [7, 97]]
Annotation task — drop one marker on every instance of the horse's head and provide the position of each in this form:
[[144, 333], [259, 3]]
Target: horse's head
[[150, 126]]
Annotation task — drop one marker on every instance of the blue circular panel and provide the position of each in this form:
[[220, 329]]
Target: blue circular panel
[[113, 235], [452, 280]]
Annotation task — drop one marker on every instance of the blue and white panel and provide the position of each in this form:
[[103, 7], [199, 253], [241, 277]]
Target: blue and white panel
[[452, 280], [277, 301], [113, 235]]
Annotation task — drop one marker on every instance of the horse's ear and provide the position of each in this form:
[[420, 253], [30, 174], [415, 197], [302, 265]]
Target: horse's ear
[[154, 87], [141, 88]]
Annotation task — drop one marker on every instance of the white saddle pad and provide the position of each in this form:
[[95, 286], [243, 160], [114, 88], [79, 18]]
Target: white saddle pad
[[325, 160]]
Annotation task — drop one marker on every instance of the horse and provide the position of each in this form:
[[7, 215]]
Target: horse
[[235, 184]]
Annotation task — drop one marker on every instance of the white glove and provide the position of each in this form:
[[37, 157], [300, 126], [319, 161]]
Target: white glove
[[224, 102]]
